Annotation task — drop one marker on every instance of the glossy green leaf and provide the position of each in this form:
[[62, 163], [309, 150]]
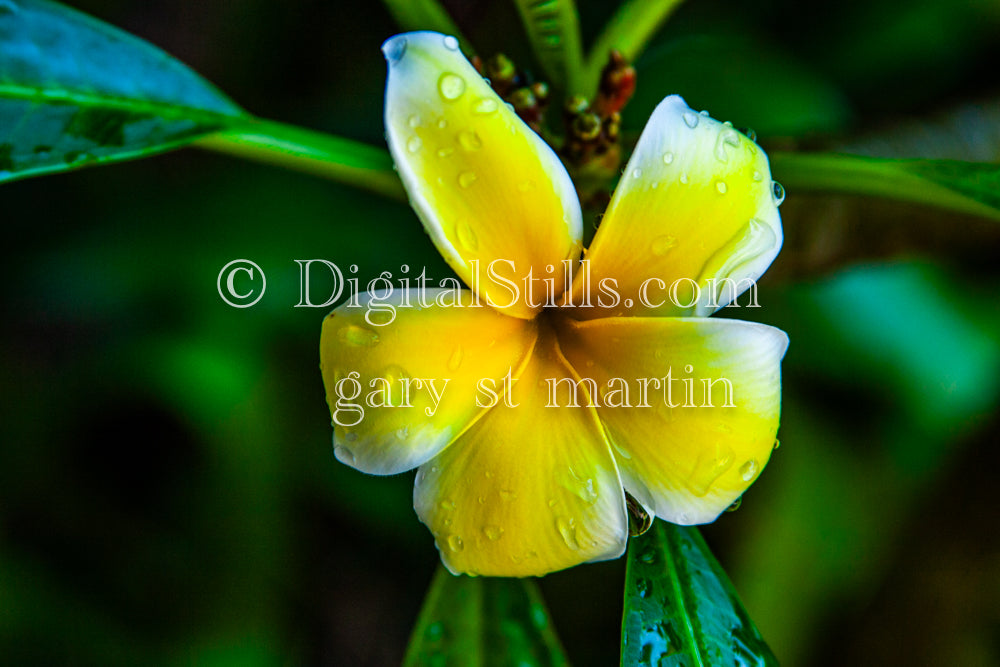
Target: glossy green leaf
[[628, 31], [315, 153], [680, 607], [75, 91], [966, 187], [425, 15], [553, 28], [483, 622]]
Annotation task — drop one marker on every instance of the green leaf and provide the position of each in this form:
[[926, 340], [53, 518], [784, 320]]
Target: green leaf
[[483, 622], [75, 91], [425, 15], [553, 28], [628, 31], [315, 153], [966, 187], [680, 607], [740, 79]]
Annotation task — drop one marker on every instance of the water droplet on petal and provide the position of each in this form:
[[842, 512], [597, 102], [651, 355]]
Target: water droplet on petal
[[456, 359], [684, 178], [777, 443], [358, 336], [690, 119], [470, 140], [403, 432], [394, 48], [485, 106], [507, 494], [662, 245], [778, 190], [413, 121], [748, 470], [455, 543], [466, 236], [451, 86], [736, 505], [637, 173], [414, 144], [721, 187], [447, 505], [493, 533], [668, 157], [450, 43], [704, 112], [466, 178], [567, 529], [757, 176], [344, 454]]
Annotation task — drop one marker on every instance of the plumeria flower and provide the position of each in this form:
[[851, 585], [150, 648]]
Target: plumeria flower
[[537, 423]]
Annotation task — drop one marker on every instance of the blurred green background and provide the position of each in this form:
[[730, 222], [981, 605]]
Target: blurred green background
[[168, 491]]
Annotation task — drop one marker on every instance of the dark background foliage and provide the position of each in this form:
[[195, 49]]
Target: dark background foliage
[[168, 493]]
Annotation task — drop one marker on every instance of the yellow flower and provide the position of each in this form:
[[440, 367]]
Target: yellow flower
[[533, 484]]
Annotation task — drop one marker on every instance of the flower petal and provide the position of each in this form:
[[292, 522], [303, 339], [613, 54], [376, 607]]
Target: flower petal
[[689, 462], [528, 489], [695, 203], [485, 186], [414, 380]]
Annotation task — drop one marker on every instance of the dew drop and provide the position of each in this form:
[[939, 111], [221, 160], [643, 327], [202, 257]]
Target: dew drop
[[442, 123], [704, 112], [394, 49], [466, 236], [485, 106], [466, 178], [637, 173], [413, 121], [451, 86], [757, 176], [643, 587], [567, 529], [684, 178], [736, 505], [456, 359], [402, 432], [470, 140], [344, 454], [668, 158], [648, 556], [434, 632], [748, 470], [358, 336], [690, 119], [455, 543], [662, 245], [450, 43], [507, 494], [777, 443], [778, 190], [447, 505], [721, 187], [414, 144], [445, 152], [493, 533]]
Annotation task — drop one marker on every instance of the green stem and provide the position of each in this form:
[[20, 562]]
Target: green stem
[[327, 156]]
